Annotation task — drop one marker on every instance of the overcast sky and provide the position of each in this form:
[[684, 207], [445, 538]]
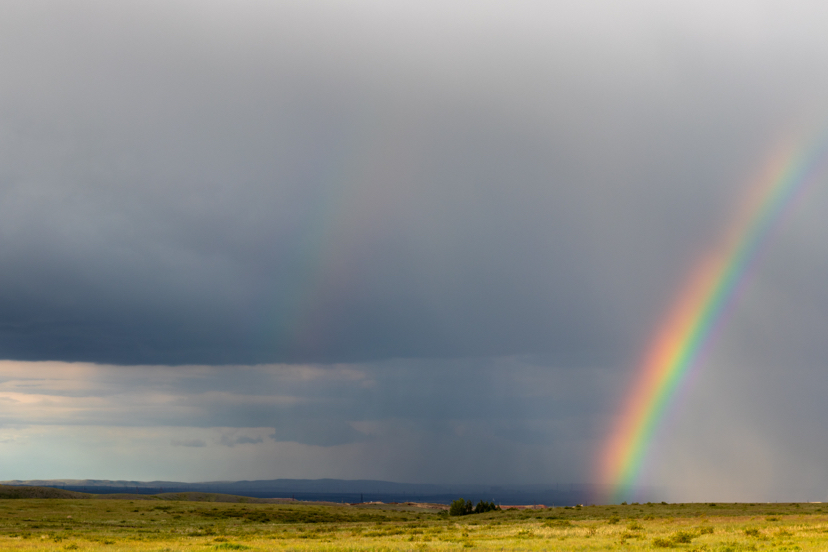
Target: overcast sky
[[380, 240]]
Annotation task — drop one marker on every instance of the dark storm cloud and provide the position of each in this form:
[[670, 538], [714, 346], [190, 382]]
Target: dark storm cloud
[[198, 184], [436, 225]]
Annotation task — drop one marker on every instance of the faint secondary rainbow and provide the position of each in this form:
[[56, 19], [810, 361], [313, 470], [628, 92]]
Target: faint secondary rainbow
[[699, 310]]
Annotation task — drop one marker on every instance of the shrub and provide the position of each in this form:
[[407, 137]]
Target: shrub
[[460, 507], [682, 537], [483, 507], [663, 543]]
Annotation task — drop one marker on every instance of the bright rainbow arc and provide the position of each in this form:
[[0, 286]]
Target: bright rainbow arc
[[699, 311]]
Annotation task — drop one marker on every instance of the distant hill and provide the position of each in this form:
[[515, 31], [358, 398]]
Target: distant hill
[[29, 491], [333, 490], [9, 491]]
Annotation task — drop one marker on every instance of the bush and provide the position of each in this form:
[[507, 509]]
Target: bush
[[483, 507], [682, 537], [460, 507]]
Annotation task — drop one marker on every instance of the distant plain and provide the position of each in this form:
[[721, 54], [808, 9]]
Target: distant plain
[[201, 521]]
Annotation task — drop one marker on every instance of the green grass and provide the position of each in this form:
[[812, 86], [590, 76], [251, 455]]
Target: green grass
[[164, 524]]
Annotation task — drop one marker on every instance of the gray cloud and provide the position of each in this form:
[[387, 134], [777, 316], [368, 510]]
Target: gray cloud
[[194, 443], [325, 432], [231, 441], [217, 188], [361, 419], [347, 225]]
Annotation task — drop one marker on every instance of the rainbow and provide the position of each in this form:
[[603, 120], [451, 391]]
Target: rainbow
[[700, 310]]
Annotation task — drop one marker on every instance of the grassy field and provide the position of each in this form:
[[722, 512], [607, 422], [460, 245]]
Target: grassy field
[[167, 522]]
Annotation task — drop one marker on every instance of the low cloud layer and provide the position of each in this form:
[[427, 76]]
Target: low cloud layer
[[377, 419], [368, 230], [521, 419]]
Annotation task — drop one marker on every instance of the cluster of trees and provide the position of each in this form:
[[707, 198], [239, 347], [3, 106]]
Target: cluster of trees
[[462, 507]]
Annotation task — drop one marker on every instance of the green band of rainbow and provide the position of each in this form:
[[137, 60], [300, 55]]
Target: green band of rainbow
[[699, 312]]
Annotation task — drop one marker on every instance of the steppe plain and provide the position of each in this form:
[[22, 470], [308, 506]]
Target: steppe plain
[[61, 520]]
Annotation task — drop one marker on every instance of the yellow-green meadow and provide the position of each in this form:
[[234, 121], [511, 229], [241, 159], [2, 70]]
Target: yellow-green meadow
[[170, 522]]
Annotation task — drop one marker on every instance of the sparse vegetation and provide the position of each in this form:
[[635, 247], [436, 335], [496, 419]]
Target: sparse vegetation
[[157, 523]]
